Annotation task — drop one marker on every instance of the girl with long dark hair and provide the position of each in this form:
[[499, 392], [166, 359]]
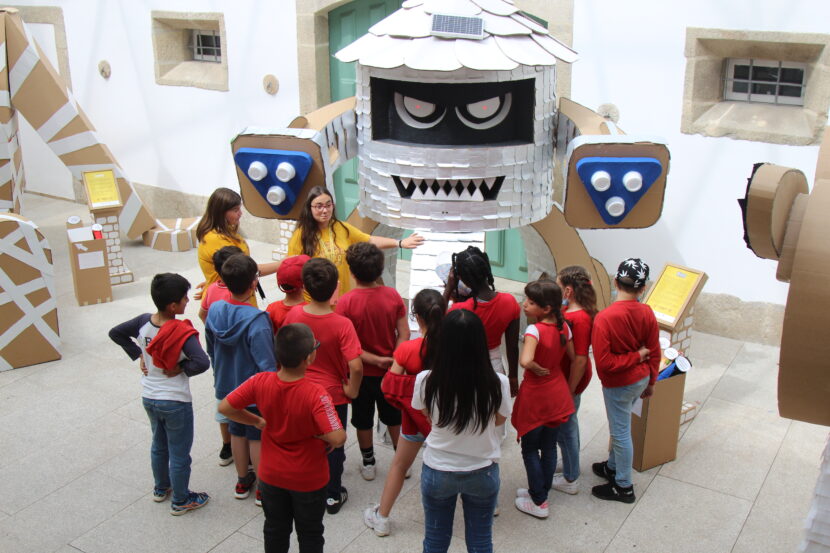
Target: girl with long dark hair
[[467, 403]]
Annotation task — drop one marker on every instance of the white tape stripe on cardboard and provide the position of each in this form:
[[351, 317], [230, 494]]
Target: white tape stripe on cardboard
[[5, 99], [2, 55], [130, 211], [74, 143], [60, 119], [161, 225], [22, 69], [25, 288]]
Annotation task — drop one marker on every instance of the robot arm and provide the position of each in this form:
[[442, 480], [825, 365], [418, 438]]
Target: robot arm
[[611, 180], [276, 168]]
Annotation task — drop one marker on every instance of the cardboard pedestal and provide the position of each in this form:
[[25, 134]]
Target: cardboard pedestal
[[655, 431], [90, 271]]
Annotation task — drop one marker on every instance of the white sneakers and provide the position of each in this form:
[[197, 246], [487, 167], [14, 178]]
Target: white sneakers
[[526, 505], [367, 471], [373, 520], [560, 483]]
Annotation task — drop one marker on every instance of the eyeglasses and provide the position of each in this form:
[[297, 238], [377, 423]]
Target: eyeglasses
[[322, 207], [316, 345]]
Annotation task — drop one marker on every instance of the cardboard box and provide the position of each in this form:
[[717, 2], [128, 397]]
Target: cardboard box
[[88, 259], [28, 312], [173, 235], [656, 428]]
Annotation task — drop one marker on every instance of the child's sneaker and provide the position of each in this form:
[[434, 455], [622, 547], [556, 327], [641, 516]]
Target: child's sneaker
[[602, 470], [333, 504], [225, 455], [526, 505], [194, 501], [367, 471], [522, 492], [160, 495], [258, 498], [560, 483], [612, 492], [376, 522], [243, 486]]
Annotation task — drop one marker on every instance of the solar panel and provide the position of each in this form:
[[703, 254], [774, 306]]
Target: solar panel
[[456, 26]]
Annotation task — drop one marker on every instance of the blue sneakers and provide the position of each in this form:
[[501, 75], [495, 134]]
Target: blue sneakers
[[160, 495], [194, 501]]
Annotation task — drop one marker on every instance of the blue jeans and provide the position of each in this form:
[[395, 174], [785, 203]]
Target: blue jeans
[[618, 404], [172, 425], [539, 455], [479, 491], [568, 440]]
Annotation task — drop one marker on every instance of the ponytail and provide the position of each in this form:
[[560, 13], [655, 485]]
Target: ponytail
[[578, 278], [430, 306]]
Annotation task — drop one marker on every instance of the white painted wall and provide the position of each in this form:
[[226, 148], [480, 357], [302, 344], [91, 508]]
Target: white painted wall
[[169, 136], [631, 54]]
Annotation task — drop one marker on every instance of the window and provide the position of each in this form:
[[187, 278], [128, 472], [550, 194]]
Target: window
[[756, 85], [773, 82], [206, 45]]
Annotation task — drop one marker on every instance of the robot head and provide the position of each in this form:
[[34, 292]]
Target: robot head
[[455, 116]]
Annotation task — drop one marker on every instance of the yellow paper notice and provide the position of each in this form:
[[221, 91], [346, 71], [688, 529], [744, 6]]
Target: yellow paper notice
[[671, 293], [101, 189]]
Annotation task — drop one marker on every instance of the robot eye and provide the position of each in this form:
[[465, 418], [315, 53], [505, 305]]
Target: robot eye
[[418, 113], [485, 114]]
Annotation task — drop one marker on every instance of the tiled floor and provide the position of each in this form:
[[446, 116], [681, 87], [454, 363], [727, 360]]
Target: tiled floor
[[75, 473]]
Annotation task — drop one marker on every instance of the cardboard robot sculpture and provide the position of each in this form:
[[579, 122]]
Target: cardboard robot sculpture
[[456, 129]]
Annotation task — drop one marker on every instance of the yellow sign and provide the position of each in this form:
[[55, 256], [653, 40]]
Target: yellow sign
[[102, 189], [672, 293]]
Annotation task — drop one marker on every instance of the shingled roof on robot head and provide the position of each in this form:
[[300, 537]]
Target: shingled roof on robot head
[[498, 37]]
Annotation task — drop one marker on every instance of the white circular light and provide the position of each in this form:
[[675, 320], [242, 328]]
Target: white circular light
[[257, 171], [285, 171], [601, 181], [275, 195], [633, 181], [615, 206]]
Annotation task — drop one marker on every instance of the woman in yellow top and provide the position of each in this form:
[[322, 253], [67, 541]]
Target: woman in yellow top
[[320, 234], [218, 228]]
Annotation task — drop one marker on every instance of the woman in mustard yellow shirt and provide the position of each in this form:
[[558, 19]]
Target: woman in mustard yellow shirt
[[320, 234], [219, 227]]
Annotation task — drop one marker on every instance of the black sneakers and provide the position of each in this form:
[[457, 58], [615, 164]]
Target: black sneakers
[[333, 504], [225, 455], [612, 492], [602, 470]]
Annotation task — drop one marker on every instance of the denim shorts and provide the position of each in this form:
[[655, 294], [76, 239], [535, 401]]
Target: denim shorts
[[219, 417], [417, 438], [244, 430]]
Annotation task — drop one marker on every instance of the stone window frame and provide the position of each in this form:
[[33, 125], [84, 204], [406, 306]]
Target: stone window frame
[[173, 51], [706, 112], [50, 15]]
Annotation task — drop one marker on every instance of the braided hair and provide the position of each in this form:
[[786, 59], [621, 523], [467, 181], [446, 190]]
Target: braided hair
[[578, 278], [473, 267], [546, 293]]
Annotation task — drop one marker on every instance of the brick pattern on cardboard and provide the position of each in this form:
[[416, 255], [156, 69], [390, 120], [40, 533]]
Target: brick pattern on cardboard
[[119, 273]]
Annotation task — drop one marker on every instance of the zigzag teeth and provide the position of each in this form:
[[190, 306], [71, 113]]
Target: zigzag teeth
[[471, 190]]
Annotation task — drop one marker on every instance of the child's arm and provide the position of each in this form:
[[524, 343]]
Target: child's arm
[[196, 360], [374, 359], [270, 268], [125, 335], [512, 348], [395, 368], [402, 328], [203, 314], [528, 353], [352, 388], [335, 438], [242, 416], [262, 346], [653, 356], [605, 359]]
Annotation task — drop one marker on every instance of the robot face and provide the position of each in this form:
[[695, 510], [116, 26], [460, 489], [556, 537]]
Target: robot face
[[470, 152]]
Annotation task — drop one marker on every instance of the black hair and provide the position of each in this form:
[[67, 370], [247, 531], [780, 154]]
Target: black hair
[[167, 288], [473, 267], [546, 293], [626, 284], [292, 344], [365, 261], [320, 278], [238, 273], [430, 306], [221, 255], [462, 384]]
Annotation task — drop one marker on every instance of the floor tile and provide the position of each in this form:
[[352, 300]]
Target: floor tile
[[752, 378]]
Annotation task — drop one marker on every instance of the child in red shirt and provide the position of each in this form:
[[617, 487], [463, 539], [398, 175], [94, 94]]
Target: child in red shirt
[[627, 353], [428, 307], [499, 312], [579, 307], [298, 422], [379, 317], [544, 400], [290, 281], [337, 367]]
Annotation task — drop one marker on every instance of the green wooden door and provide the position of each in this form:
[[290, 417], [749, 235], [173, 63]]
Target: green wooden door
[[346, 24]]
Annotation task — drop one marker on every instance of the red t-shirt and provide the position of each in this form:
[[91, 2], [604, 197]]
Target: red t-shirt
[[215, 292], [619, 331], [277, 311], [581, 324], [294, 412], [496, 315], [408, 356], [544, 400], [375, 313], [338, 345]]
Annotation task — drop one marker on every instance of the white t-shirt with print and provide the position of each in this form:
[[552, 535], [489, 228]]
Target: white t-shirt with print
[[469, 450]]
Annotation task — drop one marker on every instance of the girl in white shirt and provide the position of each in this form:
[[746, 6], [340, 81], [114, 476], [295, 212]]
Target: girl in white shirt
[[467, 402]]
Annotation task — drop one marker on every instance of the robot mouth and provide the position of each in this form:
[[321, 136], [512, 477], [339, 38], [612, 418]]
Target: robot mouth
[[459, 190]]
